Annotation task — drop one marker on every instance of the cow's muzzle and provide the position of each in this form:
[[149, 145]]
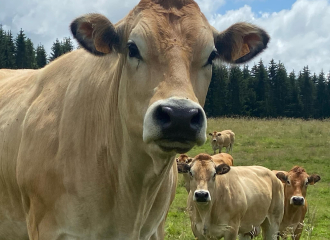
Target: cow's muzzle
[[202, 196], [175, 124], [297, 201]]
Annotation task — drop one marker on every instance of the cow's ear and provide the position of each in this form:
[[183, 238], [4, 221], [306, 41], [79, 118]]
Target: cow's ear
[[282, 176], [189, 160], [95, 33], [222, 169], [240, 42], [314, 178]]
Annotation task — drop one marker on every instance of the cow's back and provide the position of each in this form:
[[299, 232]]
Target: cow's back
[[251, 192]]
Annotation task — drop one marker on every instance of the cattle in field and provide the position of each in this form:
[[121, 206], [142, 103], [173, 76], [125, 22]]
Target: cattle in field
[[295, 184], [183, 159], [88, 143], [225, 138], [228, 201]]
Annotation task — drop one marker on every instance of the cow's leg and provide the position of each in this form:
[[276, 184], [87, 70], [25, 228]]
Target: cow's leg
[[298, 231], [160, 233], [231, 233], [220, 147], [270, 229]]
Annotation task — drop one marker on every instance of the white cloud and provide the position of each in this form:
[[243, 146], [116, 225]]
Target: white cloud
[[299, 36]]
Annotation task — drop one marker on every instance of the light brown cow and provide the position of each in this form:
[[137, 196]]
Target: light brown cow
[[226, 201], [295, 184], [87, 144], [225, 138], [217, 158]]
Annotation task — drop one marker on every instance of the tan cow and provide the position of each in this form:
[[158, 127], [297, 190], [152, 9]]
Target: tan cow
[[87, 143], [222, 139], [217, 158], [226, 201], [295, 184]]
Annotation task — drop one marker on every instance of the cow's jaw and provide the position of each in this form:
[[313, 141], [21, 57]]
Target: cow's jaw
[[175, 124]]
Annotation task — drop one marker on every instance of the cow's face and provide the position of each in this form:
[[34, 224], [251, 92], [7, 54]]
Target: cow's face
[[165, 51], [203, 172], [214, 136], [295, 184], [182, 161]]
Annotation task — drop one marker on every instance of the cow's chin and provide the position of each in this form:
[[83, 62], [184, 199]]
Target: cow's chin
[[175, 146]]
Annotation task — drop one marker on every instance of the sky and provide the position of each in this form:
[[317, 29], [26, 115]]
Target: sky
[[299, 30]]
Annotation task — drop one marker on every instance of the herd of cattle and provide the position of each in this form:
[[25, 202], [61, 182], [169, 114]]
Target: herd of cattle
[[88, 143], [225, 199]]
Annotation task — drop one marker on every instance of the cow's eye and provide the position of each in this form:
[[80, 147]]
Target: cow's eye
[[214, 175], [212, 56], [288, 182], [133, 50], [190, 173]]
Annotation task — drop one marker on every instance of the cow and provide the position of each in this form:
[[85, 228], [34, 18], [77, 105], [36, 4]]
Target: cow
[[228, 201], [225, 138], [217, 158], [88, 143], [295, 184]]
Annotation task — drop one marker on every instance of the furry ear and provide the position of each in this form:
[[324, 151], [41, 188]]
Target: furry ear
[[314, 178], [282, 176], [222, 169], [95, 33], [240, 42]]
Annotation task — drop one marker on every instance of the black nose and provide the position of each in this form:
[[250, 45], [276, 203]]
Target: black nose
[[179, 123], [201, 196], [214, 140], [298, 201]]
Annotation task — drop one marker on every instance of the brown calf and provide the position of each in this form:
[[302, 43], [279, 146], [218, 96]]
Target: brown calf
[[295, 184]]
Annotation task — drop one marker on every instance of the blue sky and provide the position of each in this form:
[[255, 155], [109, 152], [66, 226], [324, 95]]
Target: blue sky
[[299, 29], [257, 5]]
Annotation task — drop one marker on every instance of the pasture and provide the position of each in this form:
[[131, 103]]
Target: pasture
[[276, 144]]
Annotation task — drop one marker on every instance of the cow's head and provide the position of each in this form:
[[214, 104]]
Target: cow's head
[[163, 52], [203, 172], [295, 184], [182, 161], [214, 136]]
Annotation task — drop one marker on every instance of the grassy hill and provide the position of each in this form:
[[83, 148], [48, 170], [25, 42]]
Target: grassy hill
[[276, 144]]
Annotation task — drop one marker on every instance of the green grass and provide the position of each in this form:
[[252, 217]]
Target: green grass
[[276, 144]]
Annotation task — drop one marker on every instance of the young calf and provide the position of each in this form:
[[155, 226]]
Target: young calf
[[228, 201], [225, 138], [217, 159], [295, 184]]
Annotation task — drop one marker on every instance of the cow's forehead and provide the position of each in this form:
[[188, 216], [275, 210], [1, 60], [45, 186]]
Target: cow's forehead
[[165, 29], [203, 166]]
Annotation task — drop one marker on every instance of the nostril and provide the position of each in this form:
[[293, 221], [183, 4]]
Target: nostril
[[206, 194], [196, 194], [163, 115], [196, 117]]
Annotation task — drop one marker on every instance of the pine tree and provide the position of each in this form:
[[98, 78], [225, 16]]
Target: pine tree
[[215, 104], [41, 56], [30, 57], [321, 96], [20, 50], [294, 107], [250, 103], [234, 96], [66, 45], [2, 46], [56, 50], [262, 90], [280, 91], [9, 52], [307, 93]]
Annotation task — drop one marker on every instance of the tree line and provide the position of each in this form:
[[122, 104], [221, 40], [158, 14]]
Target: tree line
[[20, 53], [268, 92], [262, 91]]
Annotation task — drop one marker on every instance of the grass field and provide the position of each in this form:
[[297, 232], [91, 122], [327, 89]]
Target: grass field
[[276, 144]]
